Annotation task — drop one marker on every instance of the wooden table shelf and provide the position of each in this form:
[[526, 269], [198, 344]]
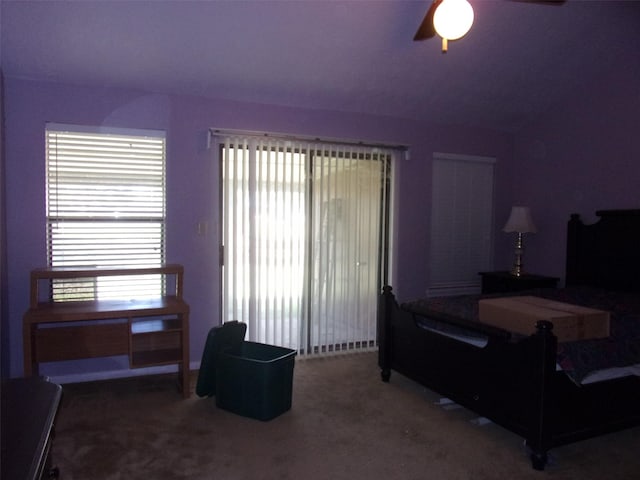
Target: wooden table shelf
[[150, 331], [155, 357]]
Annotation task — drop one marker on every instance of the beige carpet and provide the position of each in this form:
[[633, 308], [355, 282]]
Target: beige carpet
[[345, 423]]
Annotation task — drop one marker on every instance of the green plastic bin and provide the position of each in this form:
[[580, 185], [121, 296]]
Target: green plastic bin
[[257, 381]]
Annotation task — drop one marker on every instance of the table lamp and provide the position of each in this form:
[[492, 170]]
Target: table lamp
[[520, 222]]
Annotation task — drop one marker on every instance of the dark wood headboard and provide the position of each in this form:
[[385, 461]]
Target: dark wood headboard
[[605, 254]]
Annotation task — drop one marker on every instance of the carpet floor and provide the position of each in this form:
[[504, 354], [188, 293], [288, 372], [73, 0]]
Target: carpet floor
[[345, 423]]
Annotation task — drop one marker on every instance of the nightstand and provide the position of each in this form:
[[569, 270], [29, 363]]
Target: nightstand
[[496, 282]]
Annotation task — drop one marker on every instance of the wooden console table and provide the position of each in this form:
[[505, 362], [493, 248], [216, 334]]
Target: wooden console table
[[151, 332]]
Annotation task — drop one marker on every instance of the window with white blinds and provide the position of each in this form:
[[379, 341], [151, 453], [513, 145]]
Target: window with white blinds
[[461, 223], [105, 208]]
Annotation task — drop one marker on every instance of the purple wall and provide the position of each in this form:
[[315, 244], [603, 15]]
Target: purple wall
[[582, 157], [4, 316], [192, 181]]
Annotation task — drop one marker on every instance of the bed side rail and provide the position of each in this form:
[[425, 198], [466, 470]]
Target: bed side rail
[[462, 323]]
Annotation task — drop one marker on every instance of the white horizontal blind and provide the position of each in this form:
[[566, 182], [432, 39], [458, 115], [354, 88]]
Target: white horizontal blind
[[461, 222], [105, 208]]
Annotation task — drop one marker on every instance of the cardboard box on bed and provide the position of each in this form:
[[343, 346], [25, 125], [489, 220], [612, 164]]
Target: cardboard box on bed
[[520, 314]]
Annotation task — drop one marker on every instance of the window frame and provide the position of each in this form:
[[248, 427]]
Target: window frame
[[105, 208], [461, 234]]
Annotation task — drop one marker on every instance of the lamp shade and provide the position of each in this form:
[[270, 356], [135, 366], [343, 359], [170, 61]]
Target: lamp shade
[[453, 19], [520, 221]]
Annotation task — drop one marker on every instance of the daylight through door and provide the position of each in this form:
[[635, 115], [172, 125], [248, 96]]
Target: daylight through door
[[305, 228]]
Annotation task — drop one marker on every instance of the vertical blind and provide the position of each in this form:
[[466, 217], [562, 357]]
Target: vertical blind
[[349, 229], [105, 208], [461, 222], [264, 238], [304, 232]]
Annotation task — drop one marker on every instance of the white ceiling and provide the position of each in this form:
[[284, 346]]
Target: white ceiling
[[518, 60]]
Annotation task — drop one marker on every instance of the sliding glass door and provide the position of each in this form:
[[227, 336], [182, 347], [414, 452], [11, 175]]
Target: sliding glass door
[[347, 221], [305, 230]]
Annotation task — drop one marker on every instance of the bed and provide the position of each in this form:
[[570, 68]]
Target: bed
[[548, 392]]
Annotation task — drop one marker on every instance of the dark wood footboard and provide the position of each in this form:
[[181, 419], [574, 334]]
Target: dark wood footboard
[[514, 383]]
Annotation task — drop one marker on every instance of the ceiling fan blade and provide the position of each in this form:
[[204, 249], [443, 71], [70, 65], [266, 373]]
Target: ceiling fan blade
[[426, 29]]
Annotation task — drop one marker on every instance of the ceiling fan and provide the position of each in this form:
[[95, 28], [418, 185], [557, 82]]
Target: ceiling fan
[[452, 19]]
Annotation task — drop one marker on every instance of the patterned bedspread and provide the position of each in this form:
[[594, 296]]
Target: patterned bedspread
[[579, 358]]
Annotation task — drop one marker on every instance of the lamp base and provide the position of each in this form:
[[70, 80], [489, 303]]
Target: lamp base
[[518, 270]]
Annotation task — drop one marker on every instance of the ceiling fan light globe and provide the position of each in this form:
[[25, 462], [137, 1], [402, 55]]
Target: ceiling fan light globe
[[453, 19]]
